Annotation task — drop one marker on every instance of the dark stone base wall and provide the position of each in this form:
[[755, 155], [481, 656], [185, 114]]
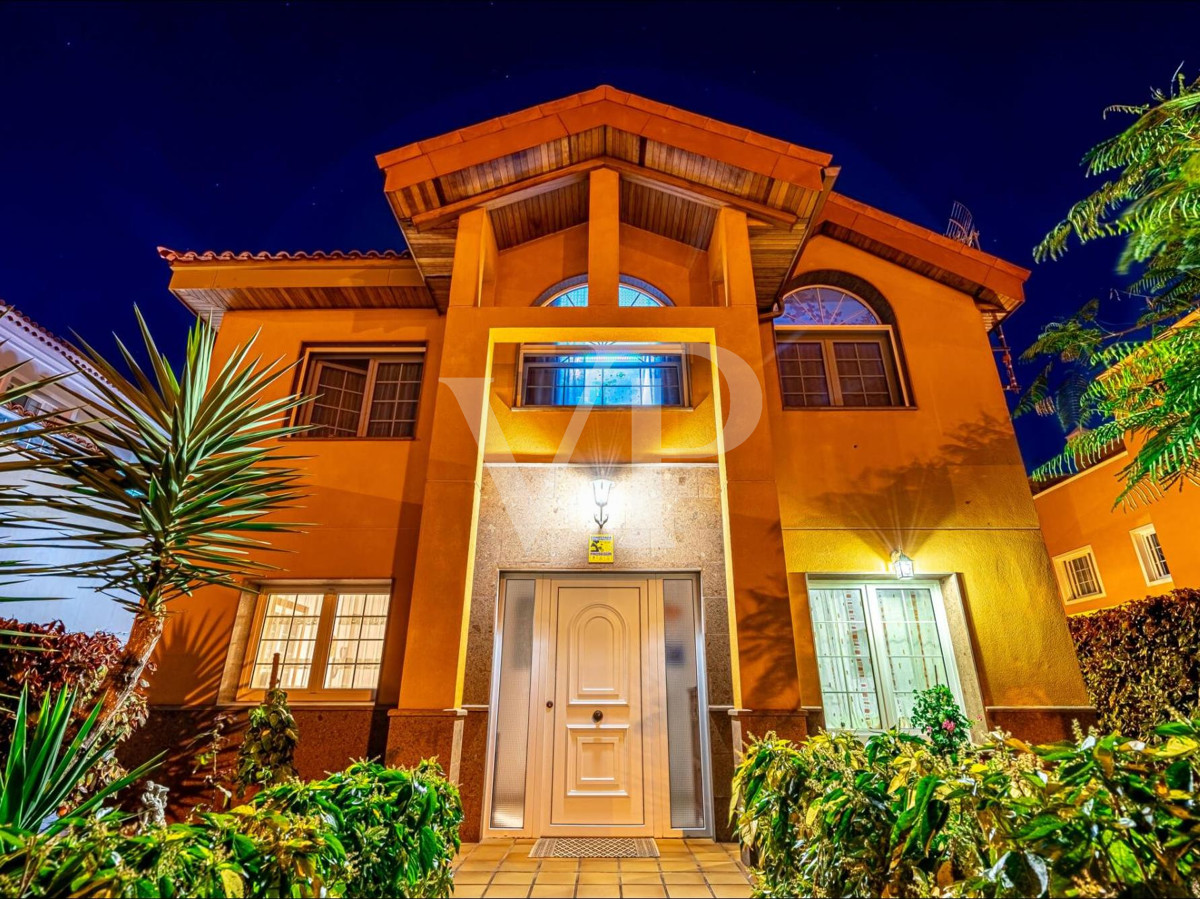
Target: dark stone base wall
[[330, 739], [1040, 725]]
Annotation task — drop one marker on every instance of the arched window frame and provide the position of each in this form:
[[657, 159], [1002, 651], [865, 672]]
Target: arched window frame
[[569, 285], [822, 343]]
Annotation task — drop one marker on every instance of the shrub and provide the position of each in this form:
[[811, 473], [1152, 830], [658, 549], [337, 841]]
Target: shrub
[[936, 715], [269, 744], [50, 659], [1141, 660], [1103, 816], [366, 831]]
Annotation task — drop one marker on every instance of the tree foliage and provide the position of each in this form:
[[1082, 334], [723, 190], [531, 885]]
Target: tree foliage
[[1136, 383]]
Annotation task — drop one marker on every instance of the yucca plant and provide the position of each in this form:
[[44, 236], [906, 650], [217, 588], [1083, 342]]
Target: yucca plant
[[181, 477], [1138, 381], [44, 768]]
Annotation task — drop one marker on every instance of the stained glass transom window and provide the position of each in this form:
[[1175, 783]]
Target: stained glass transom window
[[824, 306]]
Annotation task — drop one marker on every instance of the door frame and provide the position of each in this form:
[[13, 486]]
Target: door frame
[[540, 744]]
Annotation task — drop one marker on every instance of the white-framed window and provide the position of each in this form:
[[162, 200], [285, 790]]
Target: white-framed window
[[1078, 575], [321, 641], [1150, 555], [832, 349], [878, 645], [641, 374], [359, 392]]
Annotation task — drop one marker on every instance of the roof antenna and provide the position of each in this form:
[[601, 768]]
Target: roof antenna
[[961, 227]]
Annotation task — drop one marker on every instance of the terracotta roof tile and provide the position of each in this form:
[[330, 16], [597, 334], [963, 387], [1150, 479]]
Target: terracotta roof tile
[[174, 256], [43, 335]]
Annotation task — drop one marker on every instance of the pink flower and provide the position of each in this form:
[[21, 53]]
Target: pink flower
[[948, 725]]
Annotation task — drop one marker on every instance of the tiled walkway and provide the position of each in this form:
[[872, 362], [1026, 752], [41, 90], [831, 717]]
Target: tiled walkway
[[503, 868]]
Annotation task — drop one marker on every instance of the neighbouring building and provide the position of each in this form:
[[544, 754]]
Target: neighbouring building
[[29, 354], [1106, 554], [619, 463]]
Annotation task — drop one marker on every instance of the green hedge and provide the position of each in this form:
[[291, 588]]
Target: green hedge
[[365, 831], [1104, 816], [1141, 660]]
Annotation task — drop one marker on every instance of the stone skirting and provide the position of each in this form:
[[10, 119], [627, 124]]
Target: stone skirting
[[330, 739], [1040, 724]]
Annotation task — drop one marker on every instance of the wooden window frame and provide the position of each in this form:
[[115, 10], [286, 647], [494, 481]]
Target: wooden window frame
[[1142, 550], [1065, 587], [827, 336], [315, 356], [330, 591], [656, 349]]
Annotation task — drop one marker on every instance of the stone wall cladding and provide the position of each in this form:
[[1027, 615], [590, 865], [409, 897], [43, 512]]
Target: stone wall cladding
[[538, 518]]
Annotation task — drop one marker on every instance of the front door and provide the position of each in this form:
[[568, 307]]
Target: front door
[[599, 764]]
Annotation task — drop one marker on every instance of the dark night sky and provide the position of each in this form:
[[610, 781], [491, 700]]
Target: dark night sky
[[252, 127]]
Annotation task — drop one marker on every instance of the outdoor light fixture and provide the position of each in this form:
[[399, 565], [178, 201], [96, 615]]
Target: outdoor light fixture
[[600, 490], [902, 565]]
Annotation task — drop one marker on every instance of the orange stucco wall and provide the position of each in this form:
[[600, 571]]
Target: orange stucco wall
[[804, 492], [1081, 511], [361, 515]]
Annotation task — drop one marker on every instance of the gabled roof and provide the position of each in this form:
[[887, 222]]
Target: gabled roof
[[527, 169], [35, 335]]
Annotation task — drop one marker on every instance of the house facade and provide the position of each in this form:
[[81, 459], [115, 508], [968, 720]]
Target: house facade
[[30, 353], [621, 462], [1106, 554]]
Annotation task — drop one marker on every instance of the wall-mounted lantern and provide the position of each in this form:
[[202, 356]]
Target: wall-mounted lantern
[[902, 565], [600, 491]]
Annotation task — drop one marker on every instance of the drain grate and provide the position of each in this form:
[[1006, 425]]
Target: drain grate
[[593, 847]]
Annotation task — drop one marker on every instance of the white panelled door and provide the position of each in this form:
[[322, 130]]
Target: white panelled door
[[598, 760]]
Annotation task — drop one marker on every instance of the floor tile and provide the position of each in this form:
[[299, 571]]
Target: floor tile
[[639, 864], [506, 892], [584, 891], [687, 891], [644, 892], [519, 864], [513, 878], [680, 865], [731, 891], [726, 877], [548, 891], [556, 877], [670, 877], [482, 876], [560, 864], [590, 878], [641, 877], [599, 864], [468, 890]]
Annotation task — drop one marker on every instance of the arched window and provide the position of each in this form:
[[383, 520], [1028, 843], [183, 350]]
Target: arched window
[[630, 293], [834, 349]]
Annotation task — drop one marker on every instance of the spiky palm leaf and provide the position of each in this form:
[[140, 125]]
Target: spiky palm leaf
[[183, 479], [43, 768]]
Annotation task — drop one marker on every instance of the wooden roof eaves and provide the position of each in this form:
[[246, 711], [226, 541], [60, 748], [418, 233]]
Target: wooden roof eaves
[[457, 150], [543, 183]]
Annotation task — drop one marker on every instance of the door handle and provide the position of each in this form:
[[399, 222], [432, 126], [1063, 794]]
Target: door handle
[[549, 703], [597, 716]]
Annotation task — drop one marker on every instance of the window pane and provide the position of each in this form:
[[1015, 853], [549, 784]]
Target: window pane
[[512, 705], [683, 704], [861, 374], [911, 641], [613, 378], [394, 401], [844, 661], [337, 387], [356, 648], [825, 306], [289, 631], [1081, 576], [802, 373]]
